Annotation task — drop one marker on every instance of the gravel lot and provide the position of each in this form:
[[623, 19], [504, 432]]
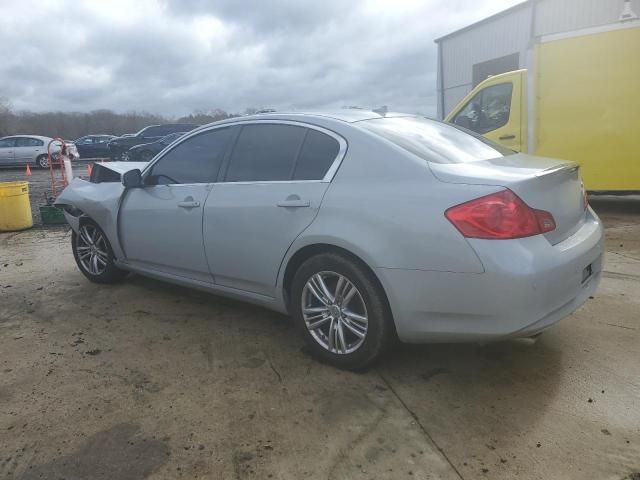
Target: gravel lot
[[40, 183], [147, 380]]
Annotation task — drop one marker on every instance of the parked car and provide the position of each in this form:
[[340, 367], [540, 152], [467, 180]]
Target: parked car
[[146, 151], [361, 226], [30, 149], [149, 134], [94, 146]]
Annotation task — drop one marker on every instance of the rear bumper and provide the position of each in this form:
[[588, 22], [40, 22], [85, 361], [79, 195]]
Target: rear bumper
[[528, 285]]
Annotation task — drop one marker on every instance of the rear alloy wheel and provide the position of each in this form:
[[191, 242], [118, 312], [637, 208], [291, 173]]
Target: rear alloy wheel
[[43, 161], [334, 312], [93, 254], [341, 310]]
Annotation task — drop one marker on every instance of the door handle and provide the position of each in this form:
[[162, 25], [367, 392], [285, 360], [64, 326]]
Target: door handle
[[188, 204], [293, 201], [509, 136]]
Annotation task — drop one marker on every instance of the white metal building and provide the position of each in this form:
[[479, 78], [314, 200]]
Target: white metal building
[[503, 42]]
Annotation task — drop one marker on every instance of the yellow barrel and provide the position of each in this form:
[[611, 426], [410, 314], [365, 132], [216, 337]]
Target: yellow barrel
[[15, 208]]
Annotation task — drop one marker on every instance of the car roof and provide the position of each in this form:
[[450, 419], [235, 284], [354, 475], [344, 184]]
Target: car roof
[[39, 137], [347, 115]]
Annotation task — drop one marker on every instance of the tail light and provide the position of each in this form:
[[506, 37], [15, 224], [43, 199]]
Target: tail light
[[501, 215]]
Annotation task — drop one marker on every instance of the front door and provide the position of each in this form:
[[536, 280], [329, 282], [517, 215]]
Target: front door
[[7, 146], [160, 224], [275, 179], [28, 149]]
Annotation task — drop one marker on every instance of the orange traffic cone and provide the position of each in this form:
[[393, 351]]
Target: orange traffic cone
[[28, 172], [89, 169]]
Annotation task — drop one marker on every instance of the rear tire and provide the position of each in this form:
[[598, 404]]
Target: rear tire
[[93, 254], [42, 161], [341, 311]]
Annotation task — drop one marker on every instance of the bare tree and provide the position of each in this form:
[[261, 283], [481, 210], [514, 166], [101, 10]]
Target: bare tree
[[5, 116], [71, 125]]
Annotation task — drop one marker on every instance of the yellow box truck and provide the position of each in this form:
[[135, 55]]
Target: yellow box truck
[[579, 99]]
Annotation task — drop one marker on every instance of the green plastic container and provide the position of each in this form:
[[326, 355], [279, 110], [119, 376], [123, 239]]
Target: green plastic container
[[51, 215]]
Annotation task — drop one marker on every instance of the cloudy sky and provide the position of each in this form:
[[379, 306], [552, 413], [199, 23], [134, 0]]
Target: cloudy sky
[[177, 56]]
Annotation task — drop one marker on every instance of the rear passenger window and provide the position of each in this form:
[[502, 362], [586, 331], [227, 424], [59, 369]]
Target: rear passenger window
[[29, 142], [265, 153], [316, 157]]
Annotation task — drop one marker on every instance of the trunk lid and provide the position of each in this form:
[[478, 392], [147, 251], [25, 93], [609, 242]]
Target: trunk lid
[[543, 183]]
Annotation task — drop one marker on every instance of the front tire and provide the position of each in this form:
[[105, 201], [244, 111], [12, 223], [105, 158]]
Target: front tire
[[93, 254], [341, 310]]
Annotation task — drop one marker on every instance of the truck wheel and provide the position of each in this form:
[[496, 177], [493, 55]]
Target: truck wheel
[[93, 254], [341, 310]]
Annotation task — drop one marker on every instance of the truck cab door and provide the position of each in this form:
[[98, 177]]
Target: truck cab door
[[495, 109]]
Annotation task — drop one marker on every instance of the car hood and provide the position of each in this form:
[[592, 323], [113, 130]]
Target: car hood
[[123, 167]]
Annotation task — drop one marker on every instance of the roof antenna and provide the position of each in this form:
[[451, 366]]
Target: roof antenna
[[627, 13], [381, 110]]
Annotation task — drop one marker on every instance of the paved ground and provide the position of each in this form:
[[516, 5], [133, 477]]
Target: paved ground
[[146, 380]]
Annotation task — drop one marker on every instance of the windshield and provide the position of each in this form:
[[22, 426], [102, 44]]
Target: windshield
[[435, 141]]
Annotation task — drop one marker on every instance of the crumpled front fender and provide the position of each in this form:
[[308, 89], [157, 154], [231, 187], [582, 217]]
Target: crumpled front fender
[[98, 201]]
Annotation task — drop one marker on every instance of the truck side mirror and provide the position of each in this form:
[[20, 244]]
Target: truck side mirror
[[132, 178]]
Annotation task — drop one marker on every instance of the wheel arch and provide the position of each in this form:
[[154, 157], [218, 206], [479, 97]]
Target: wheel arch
[[307, 251]]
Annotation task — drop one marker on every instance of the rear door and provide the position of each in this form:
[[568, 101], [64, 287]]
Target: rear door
[[269, 192], [494, 109], [160, 224], [7, 146], [27, 149], [98, 147]]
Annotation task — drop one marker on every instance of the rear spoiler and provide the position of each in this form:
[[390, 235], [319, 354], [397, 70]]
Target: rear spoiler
[[565, 167]]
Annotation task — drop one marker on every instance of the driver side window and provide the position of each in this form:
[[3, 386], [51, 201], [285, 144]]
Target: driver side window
[[488, 110], [195, 160]]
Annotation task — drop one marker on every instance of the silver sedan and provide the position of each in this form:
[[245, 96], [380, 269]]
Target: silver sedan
[[19, 150], [365, 228]]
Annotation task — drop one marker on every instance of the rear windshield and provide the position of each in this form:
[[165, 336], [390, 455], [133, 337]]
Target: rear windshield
[[435, 141]]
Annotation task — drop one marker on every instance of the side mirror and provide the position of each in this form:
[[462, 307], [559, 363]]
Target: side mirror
[[132, 179]]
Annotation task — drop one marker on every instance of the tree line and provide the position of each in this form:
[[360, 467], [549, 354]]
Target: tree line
[[72, 125]]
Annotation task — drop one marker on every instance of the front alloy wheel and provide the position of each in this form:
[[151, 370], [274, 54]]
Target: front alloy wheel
[[93, 254], [334, 312], [92, 249]]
